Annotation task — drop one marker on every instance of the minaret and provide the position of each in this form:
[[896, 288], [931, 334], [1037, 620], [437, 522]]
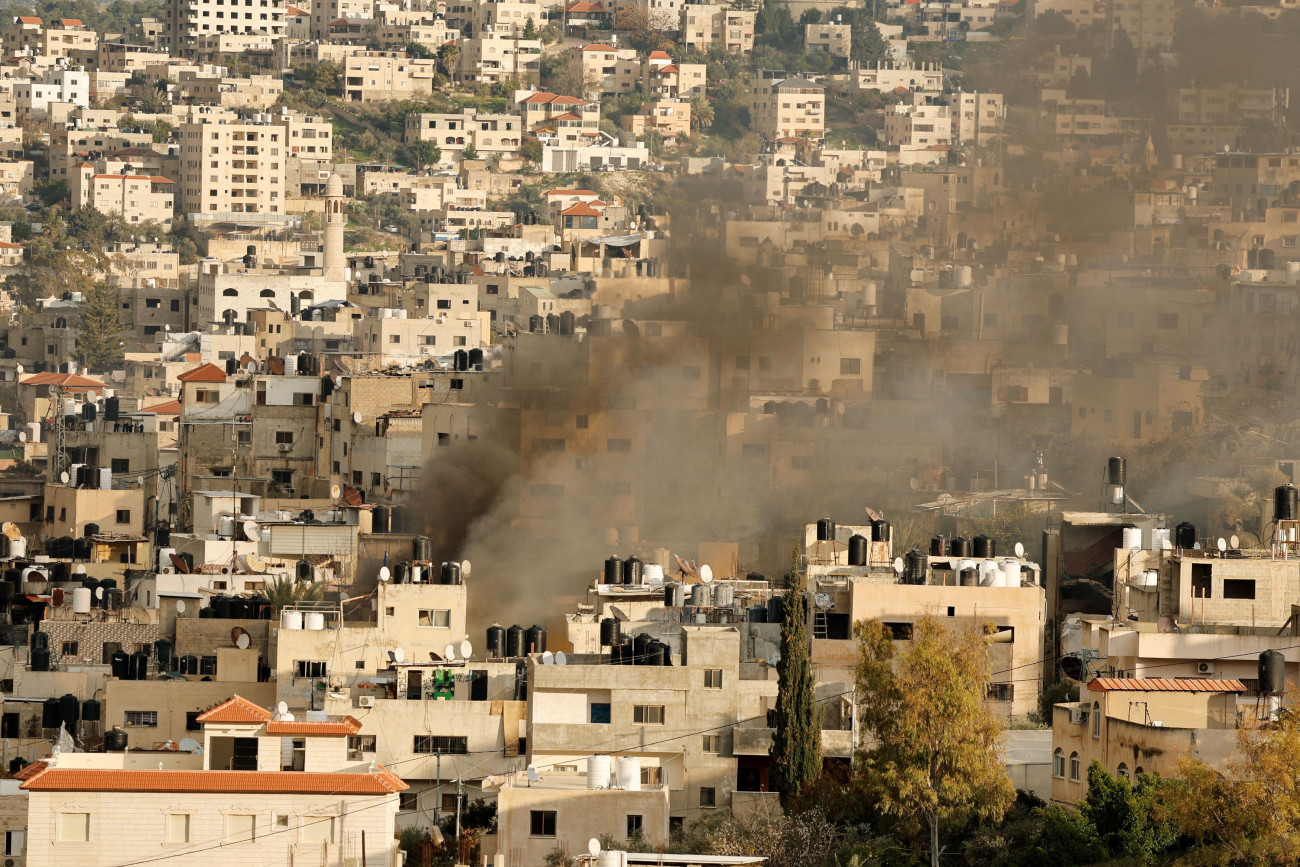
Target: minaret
[[335, 219]]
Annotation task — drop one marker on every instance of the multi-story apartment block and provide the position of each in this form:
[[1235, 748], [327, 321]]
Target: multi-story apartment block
[[494, 56], [781, 107], [59, 85], [377, 76], [665, 79], [192, 25], [326, 12], [609, 70], [138, 198], [508, 17], [228, 166], [488, 133], [834, 39], [61, 37], [706, 24], [976, 117], [1148, 23]]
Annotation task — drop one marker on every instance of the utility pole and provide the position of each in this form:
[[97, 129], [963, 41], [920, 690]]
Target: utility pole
[[437, 792]]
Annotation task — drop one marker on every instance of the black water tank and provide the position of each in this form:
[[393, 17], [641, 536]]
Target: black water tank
[[90, 710], [40, 659], [825, 530], [937, 546], [6, 591], [120, 665], [632, 570], [303, 570], [613, 570], [382, 522], [16, 764], [92, 529], [881, 531], [1285, 503], [959, 546], [478, 685], [567, 322], [756, 614], [138, 666], [858, 547], [112, 409], [655, 653], [70, 711], [401, 572], [40, 640], [115, 741], [496, 641], [616, 654], [914, 566], [450, 573], [535, 639], [610, 630], [1272, 672], [1115, 471], [640, 648], [162, 535], [1185, 535], [983, 547], [189, 664], [776, 609], [207, 665], [51, 713], [163, 652], [515, 641], [81, 549], [422, 548]]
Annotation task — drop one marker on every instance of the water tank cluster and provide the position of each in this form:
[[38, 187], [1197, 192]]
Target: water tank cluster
[[641, 649], [515, 642], [223, 607], [130, 666], [631, 571], [427, 572]]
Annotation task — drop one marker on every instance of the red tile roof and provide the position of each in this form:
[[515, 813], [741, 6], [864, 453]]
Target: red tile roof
[[235, 709], [71, 381], [658, 55], [293, 10], [584, 6], [598, 46], [315, 728], [581, 209], [204, 373], [571, 193], [1160, 684], [171, 407], [71, 22], [29, 20], [382, 782]]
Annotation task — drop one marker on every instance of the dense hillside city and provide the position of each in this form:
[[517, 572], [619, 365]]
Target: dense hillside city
[[905, 391]]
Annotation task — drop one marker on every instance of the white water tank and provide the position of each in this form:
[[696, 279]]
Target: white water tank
[[18, 548], [313, 621], [1010, 573], [611, 858], [165, 558], [628, 773], [1132, 539], [69, 407], [226, 526], [417, 574], [652, 574], [291, 364], [1159, 536], [81, 600], [34, 431], [291, 620], [598, 767], [105, 479]]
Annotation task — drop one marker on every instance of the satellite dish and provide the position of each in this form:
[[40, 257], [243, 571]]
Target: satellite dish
[[898, 565], [356, 418], [914, 483], [1166, 545], [1020, 549], [18, 368], [593, 845], [282, 708], [99, 592], [11, 530], [189, 745], [384, 574], [1196, 547], [236, 633], [399, 655], [243, 641], [255, 563], [560, 658], [466, 649], [180, 606], [335, 492], [1167, 625], [1222, 544], [449, 652], [80, 570], [532, 774], [1234, 542], [548, 658], [22, 436], [464, 568], [706, 574], [251, 367], [63, 477], [252, 531]]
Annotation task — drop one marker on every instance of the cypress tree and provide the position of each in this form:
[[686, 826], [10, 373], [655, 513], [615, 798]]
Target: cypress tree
[[796, 744], [99, 329]]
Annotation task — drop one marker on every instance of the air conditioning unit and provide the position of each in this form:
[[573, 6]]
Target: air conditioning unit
[[1205, 668], [366, 701], [286, 448], [1078, 716]]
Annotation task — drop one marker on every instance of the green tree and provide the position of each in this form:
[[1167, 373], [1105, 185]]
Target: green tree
[[99, 328], [530, 30], [469, 153], [531, 150], [936, 756], [285, 590], [1064, 839], [420, 51], [701, 113], [425, 153], [1124, 814], [1064, 690], [796, 744]]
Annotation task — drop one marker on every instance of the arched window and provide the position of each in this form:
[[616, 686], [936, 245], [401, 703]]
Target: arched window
[[1074, 767], [230, 293], [1122, 771], [1096, 720], [1137, 772], [1058, 763], [267, 293]]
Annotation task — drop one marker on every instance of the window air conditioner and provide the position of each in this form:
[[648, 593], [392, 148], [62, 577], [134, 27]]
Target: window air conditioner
[[285, 448], [1078, 716], [1206, 667], [366, 701]]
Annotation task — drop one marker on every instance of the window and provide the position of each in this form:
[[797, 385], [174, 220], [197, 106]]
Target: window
[[648, 714], [581, 422], [358, 744], [1238, 588], [1122, 771], [408, 800], [192, 723], [1074, 767], [1202, 580], [69, 648], [1058, 764], [1096, 720], [711, 744], [124, 516], [240, 828], [429, 744], [1001, 692], [851, 366], [901, 631], [308, 668], [144, 718], [708, 796], [541, 823], [120, 465], [713, 678], [633, 825], [74, 827], [178, 828], [600, 713], [1166, 321], [435, 618], [284, 436]]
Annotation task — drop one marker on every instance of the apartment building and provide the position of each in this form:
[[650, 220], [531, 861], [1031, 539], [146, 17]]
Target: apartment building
[[138, 198], [1148, 23], [918, 126], [35, 97], [976, 117], [201, 25], [835, 39], [664, 78], [609, 70], [703, 25], [787, 107], [497, 56], [378, 76], [60, 37], [323, 13], [670, 119], [229, 166], [488, 133]]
